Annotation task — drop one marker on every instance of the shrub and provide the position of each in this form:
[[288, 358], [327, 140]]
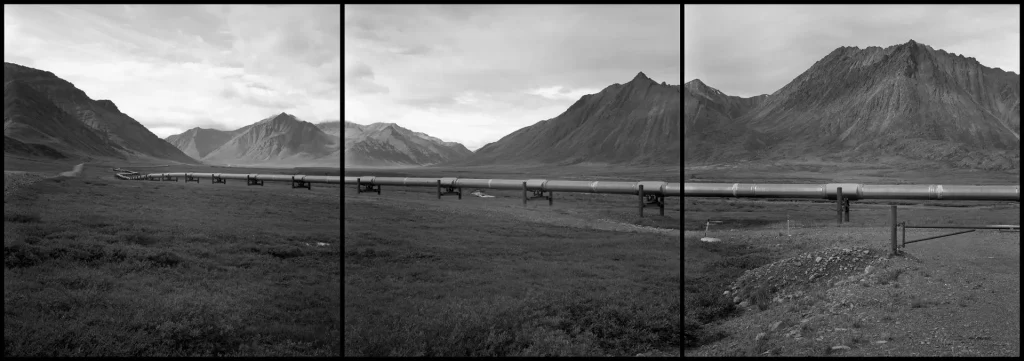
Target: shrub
[[19, 255], [18, 217], [165, 259]]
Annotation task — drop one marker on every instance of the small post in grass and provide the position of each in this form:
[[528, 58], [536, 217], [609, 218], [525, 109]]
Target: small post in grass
[[892, 227]]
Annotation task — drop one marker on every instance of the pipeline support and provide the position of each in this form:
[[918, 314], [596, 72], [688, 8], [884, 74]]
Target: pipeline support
[[839, 206]]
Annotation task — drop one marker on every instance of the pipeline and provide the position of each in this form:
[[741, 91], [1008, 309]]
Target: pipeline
[[855, 191], [650, 192], [542, 185], [298, 181]]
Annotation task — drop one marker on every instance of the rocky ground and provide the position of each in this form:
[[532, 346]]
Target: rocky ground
[[956, 297]]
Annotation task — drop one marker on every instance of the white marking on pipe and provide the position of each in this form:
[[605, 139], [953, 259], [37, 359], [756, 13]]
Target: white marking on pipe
[[735, 187], [938, 190]]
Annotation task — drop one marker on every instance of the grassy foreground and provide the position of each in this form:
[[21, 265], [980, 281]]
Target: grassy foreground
[[99, 267], [421, 282]]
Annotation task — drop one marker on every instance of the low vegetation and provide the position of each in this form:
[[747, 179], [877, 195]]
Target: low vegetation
[[427, 284], [100, 267]]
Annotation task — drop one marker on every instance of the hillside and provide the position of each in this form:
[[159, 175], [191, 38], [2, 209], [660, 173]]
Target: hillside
[[388, 144], [281, 139], [47, 109], [199, 142], [633, 123], [331, 127], [906, 102]]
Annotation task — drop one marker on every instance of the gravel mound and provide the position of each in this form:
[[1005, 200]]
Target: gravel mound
[[793, 277]]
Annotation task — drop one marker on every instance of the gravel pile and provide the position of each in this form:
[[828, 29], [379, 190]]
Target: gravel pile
[[791, 277]]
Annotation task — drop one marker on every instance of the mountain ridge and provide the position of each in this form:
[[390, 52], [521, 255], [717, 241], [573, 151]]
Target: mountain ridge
[[120, 136], [389, 144], [632, 123], [906, 100]]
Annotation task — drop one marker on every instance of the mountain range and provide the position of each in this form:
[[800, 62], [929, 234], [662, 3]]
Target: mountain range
[[388, 144], [46, 116], [903, 103], [281, 139]]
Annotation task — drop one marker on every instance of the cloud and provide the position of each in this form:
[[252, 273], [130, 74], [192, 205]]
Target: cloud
[[559, 92], [473, 74], [360, 78], [233, 63], [725, 45]]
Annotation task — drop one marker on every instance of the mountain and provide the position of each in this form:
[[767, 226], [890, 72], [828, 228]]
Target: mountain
[[43, 109], [632, 123], [36, 127], [710, 131], [907, 102], [332, 127], [386, 144], [278, 140], [198, 142]]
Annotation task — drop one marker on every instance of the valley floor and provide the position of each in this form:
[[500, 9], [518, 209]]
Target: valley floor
[[95, 266], [489, 277], [816, 293]]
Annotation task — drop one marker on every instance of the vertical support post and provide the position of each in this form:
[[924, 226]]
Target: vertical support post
[[524, 194], [438, 189], [904, 226], [551, 199], [378, 190], [892, 236], [846, 210], [706, 226], [359, 186], [661, 205], [839, 206], [460, 192], [641, 193]]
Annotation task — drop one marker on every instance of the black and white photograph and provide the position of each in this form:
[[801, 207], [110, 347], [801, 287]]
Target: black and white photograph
[[111, 113], [851, 180], [512, 180]]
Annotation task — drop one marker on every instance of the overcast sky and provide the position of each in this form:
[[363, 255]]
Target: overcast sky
[[175, 67], [748, 50], [473, 74]]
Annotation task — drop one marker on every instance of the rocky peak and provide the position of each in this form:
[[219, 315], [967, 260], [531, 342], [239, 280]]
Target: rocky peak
[[107, 104]]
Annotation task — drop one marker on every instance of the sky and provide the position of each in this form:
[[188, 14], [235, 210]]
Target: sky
[[473, 74], [749, 50], [176, 67]]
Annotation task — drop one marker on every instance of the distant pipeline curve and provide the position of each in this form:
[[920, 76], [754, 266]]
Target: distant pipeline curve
[[856, 191], [298, 181], [649, 192]]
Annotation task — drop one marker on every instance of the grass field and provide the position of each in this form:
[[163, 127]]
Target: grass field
[[754, 234], [95, 266], [489, 277]]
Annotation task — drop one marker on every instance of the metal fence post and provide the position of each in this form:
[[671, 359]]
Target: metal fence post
[[438, 189], [846, 210], [904, 226], [524, 194], [892, 236]]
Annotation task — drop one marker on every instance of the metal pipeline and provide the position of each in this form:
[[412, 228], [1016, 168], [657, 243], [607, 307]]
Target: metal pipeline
[[128, 175], [543, 185], [854, 191]]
